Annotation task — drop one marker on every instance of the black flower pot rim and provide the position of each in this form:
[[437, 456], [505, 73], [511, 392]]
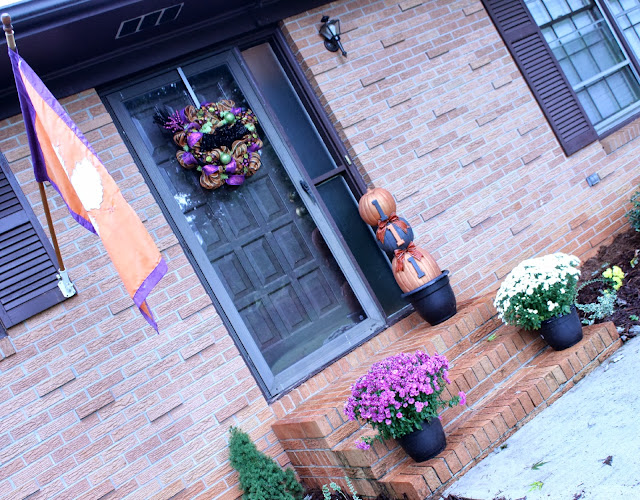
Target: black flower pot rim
[[434, 281], [556, 318]]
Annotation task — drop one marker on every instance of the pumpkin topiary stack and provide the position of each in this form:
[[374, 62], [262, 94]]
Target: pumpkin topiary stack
[[416, 272]]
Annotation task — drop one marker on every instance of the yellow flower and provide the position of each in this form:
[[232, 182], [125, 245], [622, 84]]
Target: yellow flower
[[617, 272], [616, 275]]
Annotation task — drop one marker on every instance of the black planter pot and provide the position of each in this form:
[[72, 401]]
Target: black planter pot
[[434, 301], [425, 443], [562, 332]]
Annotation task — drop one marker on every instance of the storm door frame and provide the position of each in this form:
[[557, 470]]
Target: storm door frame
[[272, 386]]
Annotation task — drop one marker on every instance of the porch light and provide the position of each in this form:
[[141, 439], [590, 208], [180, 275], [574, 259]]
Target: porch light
[[330, 31]]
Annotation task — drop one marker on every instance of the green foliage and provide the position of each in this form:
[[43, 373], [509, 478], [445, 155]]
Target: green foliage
[[261, 478], [634, 213], [634, 317], [537, 485], [604, 307], [537, 465], [326, 491], [606, 302]]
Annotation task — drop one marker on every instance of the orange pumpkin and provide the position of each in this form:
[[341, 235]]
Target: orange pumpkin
[[376, 204], [411, 270]]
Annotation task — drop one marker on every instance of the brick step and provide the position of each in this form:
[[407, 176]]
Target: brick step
[[477, 372], [321, 416], [488, 363], [318, 438], [494, 418]]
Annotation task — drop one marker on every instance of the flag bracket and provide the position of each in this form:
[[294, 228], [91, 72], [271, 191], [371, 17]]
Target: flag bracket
[[65, 284]]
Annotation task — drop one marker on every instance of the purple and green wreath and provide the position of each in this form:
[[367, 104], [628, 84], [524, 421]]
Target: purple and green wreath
[[217, 139]]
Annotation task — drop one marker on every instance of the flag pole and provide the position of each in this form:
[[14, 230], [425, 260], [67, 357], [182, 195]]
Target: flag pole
[[8, 31], [65, 285]]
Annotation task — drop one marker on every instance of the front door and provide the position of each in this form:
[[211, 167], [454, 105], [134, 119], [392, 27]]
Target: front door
[[273, 262]]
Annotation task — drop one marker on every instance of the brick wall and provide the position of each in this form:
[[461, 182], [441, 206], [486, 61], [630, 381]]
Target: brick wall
[[432, 107]]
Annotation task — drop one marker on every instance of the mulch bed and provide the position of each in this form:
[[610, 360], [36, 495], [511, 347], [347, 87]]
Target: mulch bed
[[619, 253]]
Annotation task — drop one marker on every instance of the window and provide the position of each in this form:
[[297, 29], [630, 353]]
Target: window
[[591, 57], [28, 283], [585, 72], [278, 266]]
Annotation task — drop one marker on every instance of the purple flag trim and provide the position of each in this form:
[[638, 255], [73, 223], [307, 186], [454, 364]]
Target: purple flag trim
[[29, 116], [145, 288]]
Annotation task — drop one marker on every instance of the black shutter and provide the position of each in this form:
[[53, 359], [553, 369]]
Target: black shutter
[[542, 73], [28, 283]]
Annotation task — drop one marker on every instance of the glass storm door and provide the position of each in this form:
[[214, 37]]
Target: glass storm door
[[273, 262]]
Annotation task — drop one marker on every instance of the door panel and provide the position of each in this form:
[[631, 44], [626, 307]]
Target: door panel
[[265, 248]]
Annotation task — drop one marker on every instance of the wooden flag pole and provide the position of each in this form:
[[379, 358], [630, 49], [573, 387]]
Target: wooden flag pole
[[65, 285], [8, 31], [47, 213]]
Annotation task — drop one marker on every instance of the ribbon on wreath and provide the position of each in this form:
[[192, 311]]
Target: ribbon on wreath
[[392, 219], [400, 254]]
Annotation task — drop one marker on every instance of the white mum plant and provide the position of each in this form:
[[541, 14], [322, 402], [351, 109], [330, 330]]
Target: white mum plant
[[538, 289]]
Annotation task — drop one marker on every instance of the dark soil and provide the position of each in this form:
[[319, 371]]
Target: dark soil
[[619, 253]]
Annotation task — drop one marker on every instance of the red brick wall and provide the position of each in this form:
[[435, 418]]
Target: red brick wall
[[432, 107]]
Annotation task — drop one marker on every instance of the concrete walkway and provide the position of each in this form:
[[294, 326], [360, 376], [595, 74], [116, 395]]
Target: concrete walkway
[[596, 419]]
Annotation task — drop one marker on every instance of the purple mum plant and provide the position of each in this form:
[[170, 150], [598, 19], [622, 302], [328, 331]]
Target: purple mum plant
[[400, 392]]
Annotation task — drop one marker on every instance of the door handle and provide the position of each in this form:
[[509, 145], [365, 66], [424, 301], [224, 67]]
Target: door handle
[[307, 189]]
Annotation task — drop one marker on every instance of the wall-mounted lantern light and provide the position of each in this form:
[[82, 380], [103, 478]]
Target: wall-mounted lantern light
[[330, 31]]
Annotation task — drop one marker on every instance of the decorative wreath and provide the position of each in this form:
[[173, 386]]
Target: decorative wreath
[[217, 139]]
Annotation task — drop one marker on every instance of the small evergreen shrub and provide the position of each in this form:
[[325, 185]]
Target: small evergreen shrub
[[261, 477], [634, 213]]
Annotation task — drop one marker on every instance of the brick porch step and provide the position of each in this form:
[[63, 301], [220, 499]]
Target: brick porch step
[[321, 417], [488, 360]]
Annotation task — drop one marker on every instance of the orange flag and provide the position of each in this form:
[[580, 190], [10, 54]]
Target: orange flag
[[62, 155]]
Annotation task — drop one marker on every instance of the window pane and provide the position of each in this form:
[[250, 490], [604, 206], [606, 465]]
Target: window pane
[[589, 107], [539, 12], [282, 98], [627, 15], [344, 209], [606, 102], [621, 85]]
